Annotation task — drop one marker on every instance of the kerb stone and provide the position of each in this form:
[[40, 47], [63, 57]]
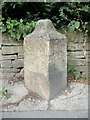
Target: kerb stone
[[45, 60]]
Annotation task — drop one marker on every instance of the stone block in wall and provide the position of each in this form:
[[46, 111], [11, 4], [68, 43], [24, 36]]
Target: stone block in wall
[[85, 75], [77, 62], [88, 53], [74, 36], [0, 51], [88, 63], [9, 57], [8, 70], [7, 40], [75, 55], [0, 46], [6, 64], [20, 56], [18, 63], [77, 46], [12, 49], [7, 76], [82, 68], [0, 73], [78, 58]]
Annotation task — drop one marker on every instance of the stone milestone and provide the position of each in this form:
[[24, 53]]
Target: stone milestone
[[45, 60]]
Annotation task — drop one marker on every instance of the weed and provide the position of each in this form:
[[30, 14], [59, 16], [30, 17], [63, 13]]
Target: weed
[[5, 93]]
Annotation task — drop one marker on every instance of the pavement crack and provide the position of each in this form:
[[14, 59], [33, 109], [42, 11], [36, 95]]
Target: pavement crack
[[77, 93], [18, 102], [49, 105]]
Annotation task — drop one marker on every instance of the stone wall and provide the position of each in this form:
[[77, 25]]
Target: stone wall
[[11, 55], [76, 54]]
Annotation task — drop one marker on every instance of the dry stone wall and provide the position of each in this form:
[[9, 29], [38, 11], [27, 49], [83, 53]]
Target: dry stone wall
[[12, 57], [78, 53]]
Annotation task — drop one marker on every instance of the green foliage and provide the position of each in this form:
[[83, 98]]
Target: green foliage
[[5, 93], [74, 25], [17, 29], [73, 69], [64, 15], [76, 75]]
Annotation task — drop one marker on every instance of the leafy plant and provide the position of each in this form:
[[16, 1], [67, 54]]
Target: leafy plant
[[76, 75], [74, 25], [65, 15], [17, 29], [74, 70], [5, 93]]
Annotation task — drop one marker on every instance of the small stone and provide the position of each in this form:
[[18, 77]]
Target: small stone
[[9, 57], [12, 49]]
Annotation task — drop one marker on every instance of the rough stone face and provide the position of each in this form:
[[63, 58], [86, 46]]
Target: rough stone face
[[45, 60], [9, 57], [6, 64], [7, 75], [7, 40], [12, 49], [17, 63]]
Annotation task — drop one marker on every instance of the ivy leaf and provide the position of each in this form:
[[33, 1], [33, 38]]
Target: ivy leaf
[[21, 20], [18, 36], [76, 75], [3, 29], [14, 6], [33, 24], [74, 25], [12, 34], [8, 26], [85, 8], [77, 24], [5, 93], [24, 35]]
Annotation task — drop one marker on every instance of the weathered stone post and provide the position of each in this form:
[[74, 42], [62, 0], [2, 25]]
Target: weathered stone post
[[45, 60]]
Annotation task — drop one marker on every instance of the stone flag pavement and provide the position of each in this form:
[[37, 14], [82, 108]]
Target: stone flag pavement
[[74, 98]]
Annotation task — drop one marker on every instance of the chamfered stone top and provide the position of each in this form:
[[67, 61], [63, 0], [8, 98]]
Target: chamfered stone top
[[45, 60], [45, 28], [44, 24]]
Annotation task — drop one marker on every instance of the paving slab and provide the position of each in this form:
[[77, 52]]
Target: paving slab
[[17, 92], [28, 105], [74, 98]]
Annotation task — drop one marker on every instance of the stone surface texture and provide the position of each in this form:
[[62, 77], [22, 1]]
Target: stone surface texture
[[45, 60], [11, 50], [74, 98], [11, 57]]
